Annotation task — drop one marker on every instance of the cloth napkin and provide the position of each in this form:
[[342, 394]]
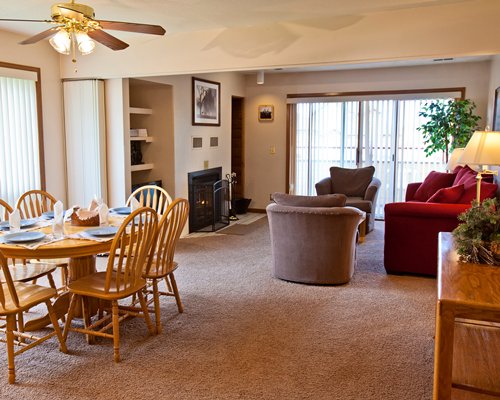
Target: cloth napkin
[[58, 222], [103, 214], [15, 221], [134, 204]]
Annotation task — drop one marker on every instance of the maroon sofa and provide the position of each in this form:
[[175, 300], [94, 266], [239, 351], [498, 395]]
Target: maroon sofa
[[411, 231]]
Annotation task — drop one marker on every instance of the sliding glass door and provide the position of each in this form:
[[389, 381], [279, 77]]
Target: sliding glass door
[[350, 134]]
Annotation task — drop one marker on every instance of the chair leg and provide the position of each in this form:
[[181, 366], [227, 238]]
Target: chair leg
[[169, 288], [69, 318], [116, 331], [180, 307], [86, 318], [11, 325], [146, 312], [52, 284], [156, 300], [57, 329]]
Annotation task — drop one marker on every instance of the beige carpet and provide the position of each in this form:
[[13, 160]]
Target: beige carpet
[[246, 335]]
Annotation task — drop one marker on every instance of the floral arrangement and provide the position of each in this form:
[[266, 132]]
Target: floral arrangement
[[477, 238]]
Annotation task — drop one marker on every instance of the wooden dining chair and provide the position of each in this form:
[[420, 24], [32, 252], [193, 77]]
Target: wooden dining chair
[[152, 196], [161, 265], [15, 298], [33, 204], [122, 279]]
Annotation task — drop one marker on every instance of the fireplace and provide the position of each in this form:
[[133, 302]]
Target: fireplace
[[208, 200]]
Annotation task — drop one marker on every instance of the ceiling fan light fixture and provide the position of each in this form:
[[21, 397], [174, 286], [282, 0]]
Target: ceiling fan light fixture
[[61, 42], [85, 44]]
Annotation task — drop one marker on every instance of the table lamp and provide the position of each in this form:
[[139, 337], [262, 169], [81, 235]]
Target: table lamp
[[454, 157], [483, 150]]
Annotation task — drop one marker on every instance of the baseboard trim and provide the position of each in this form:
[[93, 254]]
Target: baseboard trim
[[257, 210]]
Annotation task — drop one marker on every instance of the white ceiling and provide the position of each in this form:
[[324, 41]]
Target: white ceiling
[[193, 15]]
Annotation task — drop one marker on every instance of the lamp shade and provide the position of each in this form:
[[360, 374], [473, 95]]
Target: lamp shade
[[454, 157], [483, 148]]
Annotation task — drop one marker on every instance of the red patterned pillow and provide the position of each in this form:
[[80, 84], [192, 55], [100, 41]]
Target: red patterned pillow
[[432, 183], [447, 195], [488, 190]]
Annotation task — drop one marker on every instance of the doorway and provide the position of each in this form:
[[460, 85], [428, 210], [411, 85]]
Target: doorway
[[237, 143]]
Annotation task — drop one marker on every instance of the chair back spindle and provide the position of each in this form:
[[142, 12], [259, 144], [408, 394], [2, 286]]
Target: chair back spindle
[[130, 249], [152, 196], [34, 203], [172, 223]]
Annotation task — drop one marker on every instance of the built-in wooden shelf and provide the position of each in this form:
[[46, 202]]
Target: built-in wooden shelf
[[138, 110], [147, 139], [141, 167]]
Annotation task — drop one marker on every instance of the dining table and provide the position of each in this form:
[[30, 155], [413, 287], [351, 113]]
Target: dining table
[[76, 244]]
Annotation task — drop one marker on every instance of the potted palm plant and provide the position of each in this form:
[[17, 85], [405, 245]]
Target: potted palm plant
[[450, 124]]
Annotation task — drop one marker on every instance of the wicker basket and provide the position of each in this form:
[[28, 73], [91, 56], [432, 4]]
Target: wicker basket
[[82, 217]]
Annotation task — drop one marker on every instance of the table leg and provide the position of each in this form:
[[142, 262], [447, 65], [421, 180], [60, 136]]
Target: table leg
[[443, 351]]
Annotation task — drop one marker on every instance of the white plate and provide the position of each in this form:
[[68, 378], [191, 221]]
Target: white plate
[[23, 237], [102, 231], [122, 210], [48, 214], [25, 223]]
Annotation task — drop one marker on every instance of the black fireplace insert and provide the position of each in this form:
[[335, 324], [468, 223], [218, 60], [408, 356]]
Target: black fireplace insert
[[208, 200]]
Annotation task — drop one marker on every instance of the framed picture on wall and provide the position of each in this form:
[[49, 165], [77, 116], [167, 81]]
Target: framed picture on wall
[[206, 102], [266, 112], [496, 111]]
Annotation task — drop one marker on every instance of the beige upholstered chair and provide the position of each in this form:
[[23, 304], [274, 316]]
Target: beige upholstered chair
[[162, 265], [360, 187], [313, 238], [15, 298], [152, 196], [122, 279]]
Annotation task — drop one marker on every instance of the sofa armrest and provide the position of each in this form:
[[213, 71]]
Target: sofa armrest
[[324, 186], [425, 210], [372, 190], [411, 190]]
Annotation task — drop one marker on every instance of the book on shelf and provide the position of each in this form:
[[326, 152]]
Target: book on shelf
[[142, 132]]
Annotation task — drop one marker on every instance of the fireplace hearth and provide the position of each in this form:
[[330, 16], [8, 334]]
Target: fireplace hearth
[[208, 200]]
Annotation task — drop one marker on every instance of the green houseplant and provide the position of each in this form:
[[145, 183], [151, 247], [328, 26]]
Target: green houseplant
[[477, 238], [449, 124]]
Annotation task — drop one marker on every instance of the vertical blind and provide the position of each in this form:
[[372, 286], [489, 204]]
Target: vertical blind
[[84, 120], [382, 131], [19, 146]]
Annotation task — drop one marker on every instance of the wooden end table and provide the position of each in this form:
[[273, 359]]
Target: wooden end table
[[468, 307]]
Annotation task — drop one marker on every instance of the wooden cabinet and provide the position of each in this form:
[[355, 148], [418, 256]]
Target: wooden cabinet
[[467, 346]]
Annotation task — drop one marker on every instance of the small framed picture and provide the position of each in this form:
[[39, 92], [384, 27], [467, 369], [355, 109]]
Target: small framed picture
[[496, 111], [266, 112], [197, 142], [206, 102], [214, 141]]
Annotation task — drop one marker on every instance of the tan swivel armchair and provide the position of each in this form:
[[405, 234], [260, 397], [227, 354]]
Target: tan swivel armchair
[[313, 241], [360, 187]]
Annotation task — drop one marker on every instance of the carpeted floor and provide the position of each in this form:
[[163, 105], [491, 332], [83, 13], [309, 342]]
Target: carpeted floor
[[246, 335]]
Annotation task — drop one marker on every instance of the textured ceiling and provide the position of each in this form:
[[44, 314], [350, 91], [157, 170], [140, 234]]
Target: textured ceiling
[[178, 16]]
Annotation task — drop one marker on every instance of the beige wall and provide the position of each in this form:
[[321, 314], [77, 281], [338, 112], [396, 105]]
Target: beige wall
[[450, 29], [494, 84], [266, 173], [41, 55], [186, 158]]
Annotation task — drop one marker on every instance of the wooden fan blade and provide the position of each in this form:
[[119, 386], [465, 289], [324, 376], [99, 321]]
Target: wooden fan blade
[[132, 27], [25, 20], [40, 36], [107, 40]]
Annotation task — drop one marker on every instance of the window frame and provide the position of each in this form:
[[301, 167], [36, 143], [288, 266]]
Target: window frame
[[38, 89]]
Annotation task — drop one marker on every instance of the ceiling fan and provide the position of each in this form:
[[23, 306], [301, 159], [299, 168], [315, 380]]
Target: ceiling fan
[[75, 26]]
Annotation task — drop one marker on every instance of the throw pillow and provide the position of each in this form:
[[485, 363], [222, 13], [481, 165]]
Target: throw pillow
[[326, 200], [351, 182], [447, 195], [488, 190], [467, 176], [432, 183]]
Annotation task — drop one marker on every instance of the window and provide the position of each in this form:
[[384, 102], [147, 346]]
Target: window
[[354, 131], [20, 134]]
